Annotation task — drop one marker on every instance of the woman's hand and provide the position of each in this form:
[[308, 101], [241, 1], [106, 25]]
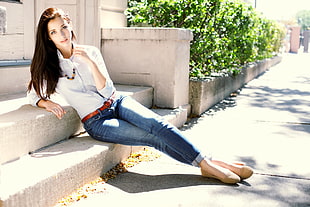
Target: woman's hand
[[100, 79], [50, 106], [81, 53]]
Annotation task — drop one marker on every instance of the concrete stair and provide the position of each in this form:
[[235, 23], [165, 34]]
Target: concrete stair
[[41, 164]]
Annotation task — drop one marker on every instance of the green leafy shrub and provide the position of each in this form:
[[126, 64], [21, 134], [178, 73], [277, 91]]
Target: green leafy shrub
[[227, 33]]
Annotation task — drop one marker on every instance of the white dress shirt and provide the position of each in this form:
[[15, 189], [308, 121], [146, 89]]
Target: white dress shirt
[[81, 92]]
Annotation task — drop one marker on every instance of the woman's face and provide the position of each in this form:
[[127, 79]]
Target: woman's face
[[60, 32]]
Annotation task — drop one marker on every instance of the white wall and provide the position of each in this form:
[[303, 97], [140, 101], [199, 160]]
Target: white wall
[[12, 41], [88, 17]]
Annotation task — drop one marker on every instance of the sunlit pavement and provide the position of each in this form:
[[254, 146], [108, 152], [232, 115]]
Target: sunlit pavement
[[266, 125]]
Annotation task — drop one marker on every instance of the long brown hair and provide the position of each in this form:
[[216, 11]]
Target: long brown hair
[[45, 69]]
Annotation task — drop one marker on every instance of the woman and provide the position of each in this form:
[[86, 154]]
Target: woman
[[79, 74]]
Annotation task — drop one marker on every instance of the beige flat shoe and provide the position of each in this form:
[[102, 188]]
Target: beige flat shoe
[[245, 172], [238, 168], [210, 170]]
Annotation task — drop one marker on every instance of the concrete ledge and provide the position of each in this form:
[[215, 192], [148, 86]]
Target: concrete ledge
[[177, 116], [22, 62], [27, 129], [143, 95], [24, 128], [147, 33], [203, 94]]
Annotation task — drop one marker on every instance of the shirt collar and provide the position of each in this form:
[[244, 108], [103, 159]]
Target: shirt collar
[[61, 57]]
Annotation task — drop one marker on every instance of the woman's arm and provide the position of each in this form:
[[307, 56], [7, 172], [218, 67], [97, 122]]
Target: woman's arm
[[100, 79], [53, 107], [50, 106]]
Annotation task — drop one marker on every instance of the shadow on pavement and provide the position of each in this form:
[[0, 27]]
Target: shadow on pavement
[[131, 182]]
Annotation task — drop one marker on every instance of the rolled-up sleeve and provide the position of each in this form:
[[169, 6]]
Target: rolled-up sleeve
[[32, 97], [109, 88]]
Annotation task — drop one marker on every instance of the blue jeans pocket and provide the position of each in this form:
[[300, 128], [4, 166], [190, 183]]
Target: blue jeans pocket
[[103, 115]]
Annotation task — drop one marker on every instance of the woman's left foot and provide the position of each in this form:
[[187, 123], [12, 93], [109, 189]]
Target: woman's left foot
[[241, 170], [211, 170]]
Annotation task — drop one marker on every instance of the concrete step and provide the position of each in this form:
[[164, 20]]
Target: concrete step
[[177, 116], [17, 73], [44, 177], [25, 128]]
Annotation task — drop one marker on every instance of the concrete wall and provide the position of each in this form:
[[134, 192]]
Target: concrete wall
[[12, 40], [88, 17], [154, 57], [206, 93], [18, 75]]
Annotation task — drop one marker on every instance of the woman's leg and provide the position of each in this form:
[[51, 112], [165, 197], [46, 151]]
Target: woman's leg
[[109, 127], [167, 134], [118, 131]]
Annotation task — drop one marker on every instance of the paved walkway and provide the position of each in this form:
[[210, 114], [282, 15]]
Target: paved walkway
[[267, 125]]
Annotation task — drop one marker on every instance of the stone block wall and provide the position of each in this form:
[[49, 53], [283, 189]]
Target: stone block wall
[[157, 57]]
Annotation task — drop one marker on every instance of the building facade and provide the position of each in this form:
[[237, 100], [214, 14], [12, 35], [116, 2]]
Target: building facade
[[19, 19]]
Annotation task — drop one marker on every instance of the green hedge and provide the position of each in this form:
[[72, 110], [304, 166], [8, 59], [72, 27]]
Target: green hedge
[[228, 34]]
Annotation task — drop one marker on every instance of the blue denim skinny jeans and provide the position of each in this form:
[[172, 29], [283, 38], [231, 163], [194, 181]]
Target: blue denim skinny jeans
[[128, 122]]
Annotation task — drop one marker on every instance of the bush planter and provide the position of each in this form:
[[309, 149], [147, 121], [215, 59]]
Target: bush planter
[[203, 94]]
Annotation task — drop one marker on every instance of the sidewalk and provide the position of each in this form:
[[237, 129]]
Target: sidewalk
[[267, 125]]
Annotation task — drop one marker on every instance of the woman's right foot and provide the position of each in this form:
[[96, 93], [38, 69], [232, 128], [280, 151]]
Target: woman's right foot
[[210, 170], [238, 168]]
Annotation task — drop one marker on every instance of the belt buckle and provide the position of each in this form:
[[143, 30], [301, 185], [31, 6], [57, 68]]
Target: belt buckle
[[107, 104]]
